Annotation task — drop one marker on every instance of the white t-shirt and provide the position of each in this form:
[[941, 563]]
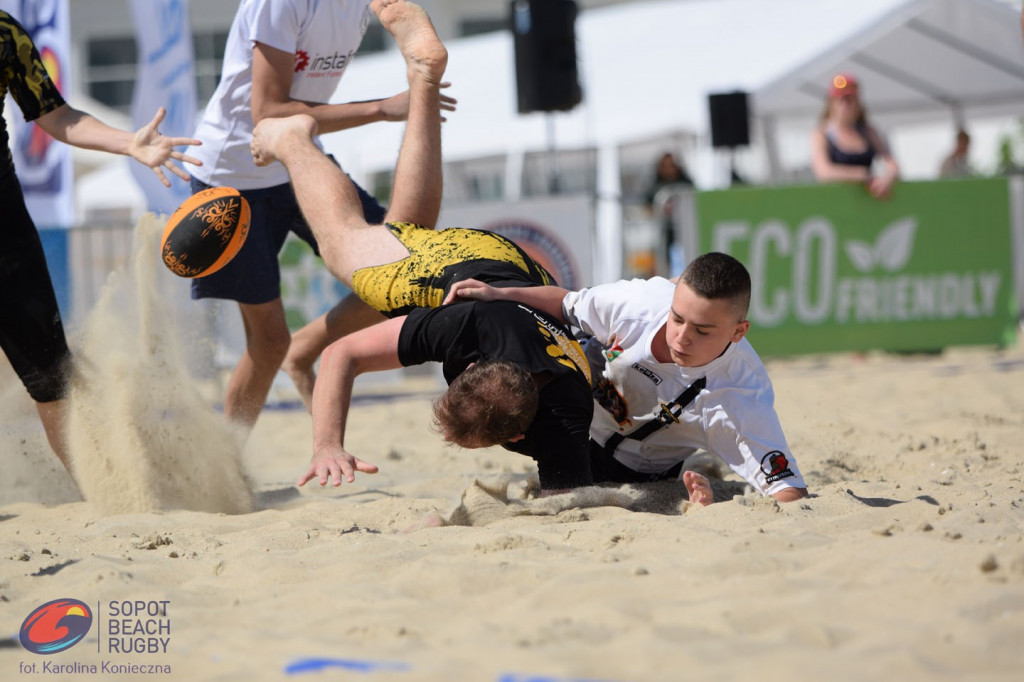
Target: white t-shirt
[[323, 35], [733, 417]]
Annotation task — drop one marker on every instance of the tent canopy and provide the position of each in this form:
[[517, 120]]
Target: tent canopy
[[646, 69], [919, 59]]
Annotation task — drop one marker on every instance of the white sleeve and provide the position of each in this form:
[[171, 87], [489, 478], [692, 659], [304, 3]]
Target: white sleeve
[[277, 23], [605, 309], [749, 438]]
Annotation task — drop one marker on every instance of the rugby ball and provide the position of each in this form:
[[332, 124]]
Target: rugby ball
[[205, 232]]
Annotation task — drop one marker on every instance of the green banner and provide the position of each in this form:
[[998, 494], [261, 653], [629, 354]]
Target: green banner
[[834, 269]]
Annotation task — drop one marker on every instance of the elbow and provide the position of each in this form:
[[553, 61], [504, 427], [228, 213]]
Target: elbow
[[265, 108], [790, 494], [259, 113]]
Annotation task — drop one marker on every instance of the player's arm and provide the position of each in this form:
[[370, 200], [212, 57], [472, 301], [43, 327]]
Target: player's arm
[[881, 185], [369, 350], [547, 299], [147, 145], [272, 71], [790, 494]]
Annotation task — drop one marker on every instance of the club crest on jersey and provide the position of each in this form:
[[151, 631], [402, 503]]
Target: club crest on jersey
[[648, 373], [775, 466], [613, 352]]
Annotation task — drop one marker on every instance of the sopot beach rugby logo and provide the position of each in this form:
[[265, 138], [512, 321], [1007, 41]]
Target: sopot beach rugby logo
[[56, 626]]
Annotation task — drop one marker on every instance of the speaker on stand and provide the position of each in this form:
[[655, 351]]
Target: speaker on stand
[[544, 33], [730, 125], [545, 50]]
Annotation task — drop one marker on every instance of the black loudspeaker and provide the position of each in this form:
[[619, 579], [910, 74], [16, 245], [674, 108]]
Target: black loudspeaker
[[730, 119], [545, 48]]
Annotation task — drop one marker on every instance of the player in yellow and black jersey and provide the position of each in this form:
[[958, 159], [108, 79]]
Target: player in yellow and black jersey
[[526, 377], [437, 259]]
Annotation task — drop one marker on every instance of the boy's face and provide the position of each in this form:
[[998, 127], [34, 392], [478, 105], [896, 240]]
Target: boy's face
[[700, 329]]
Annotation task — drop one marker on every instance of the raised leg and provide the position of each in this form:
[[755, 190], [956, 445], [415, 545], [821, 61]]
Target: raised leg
[[326, 195], [418, 186]]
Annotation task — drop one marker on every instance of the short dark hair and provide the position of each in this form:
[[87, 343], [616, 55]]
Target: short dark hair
[[717, 275], [490, 403]]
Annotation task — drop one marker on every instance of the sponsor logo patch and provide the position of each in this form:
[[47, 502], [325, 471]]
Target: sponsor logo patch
[[648, 373], [775, 466]]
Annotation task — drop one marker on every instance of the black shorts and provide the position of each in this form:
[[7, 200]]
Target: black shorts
[[607, 469], [31, 331], [254, 274]]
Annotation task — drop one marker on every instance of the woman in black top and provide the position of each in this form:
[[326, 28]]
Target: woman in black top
[[844, 146]]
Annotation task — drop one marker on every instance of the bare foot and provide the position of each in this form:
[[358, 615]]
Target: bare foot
[[425, 55], [698, 488], [431, 520], [270, 133]]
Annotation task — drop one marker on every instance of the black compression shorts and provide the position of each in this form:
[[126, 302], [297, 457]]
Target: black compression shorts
[[31, 332]]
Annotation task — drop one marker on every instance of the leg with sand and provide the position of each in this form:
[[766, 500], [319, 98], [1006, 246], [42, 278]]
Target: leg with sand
[[329, 201], [327, 197]]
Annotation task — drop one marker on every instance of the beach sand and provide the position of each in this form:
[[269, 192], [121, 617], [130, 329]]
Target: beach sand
[[907, 562]]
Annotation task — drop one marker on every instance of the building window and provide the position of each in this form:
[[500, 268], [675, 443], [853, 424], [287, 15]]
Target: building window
[[110, 76], [481, 179], [373, 39], [208, 53], [472, 27], [560, 172], [111, 70]]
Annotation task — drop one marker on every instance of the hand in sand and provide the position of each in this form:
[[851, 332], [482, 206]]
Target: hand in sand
[[336, 463], [471, 289], [698, 488]]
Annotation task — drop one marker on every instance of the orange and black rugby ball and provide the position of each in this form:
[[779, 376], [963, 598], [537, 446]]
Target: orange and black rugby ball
[[205, 232]]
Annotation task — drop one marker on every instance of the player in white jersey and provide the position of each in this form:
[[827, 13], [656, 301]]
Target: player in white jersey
[[283, 57], [678, 375]]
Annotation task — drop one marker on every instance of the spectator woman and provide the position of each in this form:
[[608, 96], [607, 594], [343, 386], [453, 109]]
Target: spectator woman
[[844, 145]]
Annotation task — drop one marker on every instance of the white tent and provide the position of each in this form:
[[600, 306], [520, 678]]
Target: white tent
[[646, 69]]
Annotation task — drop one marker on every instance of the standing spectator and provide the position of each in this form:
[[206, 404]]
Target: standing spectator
[[31, 331], [668, 173], [956, 165], [844, 145], [283, 57]]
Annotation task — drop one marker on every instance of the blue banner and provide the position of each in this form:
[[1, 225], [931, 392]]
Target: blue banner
[[165, 77], [44, 165]]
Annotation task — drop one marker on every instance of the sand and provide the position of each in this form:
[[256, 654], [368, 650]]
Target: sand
[[907, 563]]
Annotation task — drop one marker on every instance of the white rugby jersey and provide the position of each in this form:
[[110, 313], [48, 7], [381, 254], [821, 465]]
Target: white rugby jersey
[[324, 36], [733, 417]]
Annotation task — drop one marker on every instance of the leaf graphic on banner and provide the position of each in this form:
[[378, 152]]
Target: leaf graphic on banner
[[860, 254], [892, 250]]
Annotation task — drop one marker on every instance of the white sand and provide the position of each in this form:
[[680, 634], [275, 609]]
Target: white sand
[[906, 564]]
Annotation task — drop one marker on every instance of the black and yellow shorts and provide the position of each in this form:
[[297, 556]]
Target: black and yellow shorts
[[439, 258]]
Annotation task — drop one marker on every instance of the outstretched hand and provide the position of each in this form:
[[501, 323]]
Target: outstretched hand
[[396, 108], [156, 150], [336, 464], [471, 289]]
